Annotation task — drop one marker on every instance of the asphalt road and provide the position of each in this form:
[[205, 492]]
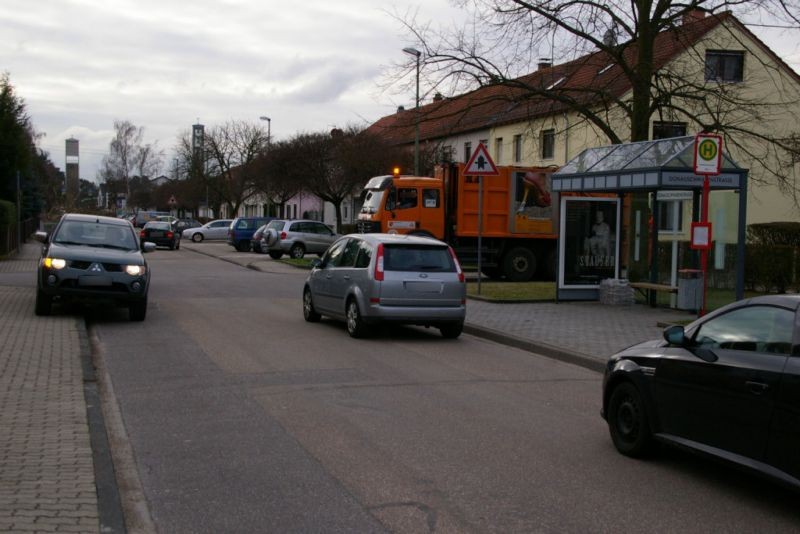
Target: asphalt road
[[243, 418]]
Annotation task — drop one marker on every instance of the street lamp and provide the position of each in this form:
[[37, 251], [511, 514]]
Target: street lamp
[[416, 53], [269, 127]]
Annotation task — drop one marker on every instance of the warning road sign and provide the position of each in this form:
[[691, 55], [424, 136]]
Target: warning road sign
[[481, 163]]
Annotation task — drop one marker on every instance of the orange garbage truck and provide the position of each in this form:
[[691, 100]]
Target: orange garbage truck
[[519, 216]]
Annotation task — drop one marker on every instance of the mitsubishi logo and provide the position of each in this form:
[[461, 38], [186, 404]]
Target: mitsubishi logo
[[95, 268]]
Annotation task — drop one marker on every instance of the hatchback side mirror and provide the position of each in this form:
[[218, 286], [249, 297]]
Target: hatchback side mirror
[[316, 263]]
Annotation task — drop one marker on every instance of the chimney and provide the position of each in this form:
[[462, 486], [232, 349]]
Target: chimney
[[400, 109], [693, 15], [438, 97], [544, 63]]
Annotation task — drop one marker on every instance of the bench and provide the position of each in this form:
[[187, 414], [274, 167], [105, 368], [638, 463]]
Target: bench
[[649, 289]]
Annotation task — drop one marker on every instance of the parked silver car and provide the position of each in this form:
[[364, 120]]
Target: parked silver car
[[369, 278], [296, 238], [211, 230]]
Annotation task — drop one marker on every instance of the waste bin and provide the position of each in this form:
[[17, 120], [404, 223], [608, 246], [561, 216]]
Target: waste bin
[[690, 289]]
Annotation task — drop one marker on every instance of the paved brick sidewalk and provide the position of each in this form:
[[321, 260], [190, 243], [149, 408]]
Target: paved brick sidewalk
[[47, 481]]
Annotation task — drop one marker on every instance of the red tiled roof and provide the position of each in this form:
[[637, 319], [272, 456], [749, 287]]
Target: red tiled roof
[[584, 81]]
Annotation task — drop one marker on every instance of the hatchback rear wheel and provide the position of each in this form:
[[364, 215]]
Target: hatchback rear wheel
[[627, 421], [355, 324]]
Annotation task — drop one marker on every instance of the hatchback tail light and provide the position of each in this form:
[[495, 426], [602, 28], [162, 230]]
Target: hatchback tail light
[[283, 235], [461, 277], [379, 263]]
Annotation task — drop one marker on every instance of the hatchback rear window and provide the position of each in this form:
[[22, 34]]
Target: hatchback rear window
[[417, 258]]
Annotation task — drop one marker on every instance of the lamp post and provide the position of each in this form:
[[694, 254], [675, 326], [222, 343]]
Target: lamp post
[[416, 53], [269, 128]]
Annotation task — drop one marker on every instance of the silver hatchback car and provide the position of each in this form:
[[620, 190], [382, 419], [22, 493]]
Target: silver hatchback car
[[370, 278]]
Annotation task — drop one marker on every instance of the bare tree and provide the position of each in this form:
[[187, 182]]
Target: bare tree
[[616, 70], [232, 150], [128, 157], [280, 178]]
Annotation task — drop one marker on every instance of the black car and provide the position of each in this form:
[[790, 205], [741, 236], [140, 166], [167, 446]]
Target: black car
[[95, 259], [162, 233], [727, 385]]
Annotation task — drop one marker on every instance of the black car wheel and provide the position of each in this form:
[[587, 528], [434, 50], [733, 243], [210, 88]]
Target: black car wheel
[[197, 237], [627, 421], [297, 251], [309, 313], [451, 330], [44, 303], [137, 310], [275, 254], [355, 324]]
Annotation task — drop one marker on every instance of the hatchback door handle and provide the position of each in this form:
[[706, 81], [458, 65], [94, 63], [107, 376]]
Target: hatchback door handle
[[757, 388]]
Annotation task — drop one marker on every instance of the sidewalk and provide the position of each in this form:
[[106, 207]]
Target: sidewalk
[[47, 477], [51, 467]]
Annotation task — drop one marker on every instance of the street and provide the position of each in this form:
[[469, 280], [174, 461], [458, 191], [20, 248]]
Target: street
[[242, 417]]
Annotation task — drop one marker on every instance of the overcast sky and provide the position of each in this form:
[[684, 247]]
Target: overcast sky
[[309, 65]]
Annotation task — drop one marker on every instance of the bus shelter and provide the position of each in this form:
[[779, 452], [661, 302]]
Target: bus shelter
[[626, 212]]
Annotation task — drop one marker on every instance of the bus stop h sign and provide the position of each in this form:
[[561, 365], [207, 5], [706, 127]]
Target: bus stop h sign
[[707, 154]]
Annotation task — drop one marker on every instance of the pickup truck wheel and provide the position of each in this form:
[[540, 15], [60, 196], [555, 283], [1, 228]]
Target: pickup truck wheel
[[519, 264], [44, 303], [137, 311]]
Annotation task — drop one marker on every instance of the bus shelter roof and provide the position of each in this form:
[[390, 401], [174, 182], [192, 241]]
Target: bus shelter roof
[[645, 165]]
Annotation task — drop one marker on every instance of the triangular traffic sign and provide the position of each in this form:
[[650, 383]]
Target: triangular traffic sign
[[481, 163]]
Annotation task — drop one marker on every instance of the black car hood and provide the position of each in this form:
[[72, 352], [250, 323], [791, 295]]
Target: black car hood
[[99, 254], [650, 349]]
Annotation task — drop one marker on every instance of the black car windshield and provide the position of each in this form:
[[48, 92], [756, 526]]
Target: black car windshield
[[95, 234]]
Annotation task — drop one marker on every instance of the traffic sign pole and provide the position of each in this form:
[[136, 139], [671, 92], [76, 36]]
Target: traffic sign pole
[[480, 165]]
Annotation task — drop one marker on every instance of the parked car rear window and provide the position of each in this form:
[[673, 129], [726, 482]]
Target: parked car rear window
[[417, 258]]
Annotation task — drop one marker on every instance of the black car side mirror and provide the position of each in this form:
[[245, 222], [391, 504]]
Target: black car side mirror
[[41, 236], [675, 335]]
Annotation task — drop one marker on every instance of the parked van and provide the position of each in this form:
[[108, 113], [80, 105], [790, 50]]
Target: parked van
[[240, 233]]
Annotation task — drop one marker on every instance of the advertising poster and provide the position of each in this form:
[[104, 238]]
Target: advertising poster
[[589, 240]]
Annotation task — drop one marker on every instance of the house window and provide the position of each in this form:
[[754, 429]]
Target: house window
[[723, 66], [548, 144], [664, 130], [498, 150], [517, 148], [467, 151], [447, 154]]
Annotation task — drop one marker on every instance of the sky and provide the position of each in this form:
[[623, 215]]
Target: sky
[[164, 65]]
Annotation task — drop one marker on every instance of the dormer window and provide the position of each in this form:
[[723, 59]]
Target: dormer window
[[556, 83], [724, 66]]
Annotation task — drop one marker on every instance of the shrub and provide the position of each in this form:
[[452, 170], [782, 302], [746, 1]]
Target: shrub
[[8, 213]]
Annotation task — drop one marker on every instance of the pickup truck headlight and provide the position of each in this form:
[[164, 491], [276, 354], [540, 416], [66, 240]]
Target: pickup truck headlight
[[135, 270], [55, 263]]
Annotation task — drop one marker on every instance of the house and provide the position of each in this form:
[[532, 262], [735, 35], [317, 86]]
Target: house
[[539, 131]]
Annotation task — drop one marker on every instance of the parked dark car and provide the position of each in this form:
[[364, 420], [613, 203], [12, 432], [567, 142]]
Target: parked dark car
[[185, 224], [162, 233], [240, 233], [370, 278], [727, 385], [96, 259]]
